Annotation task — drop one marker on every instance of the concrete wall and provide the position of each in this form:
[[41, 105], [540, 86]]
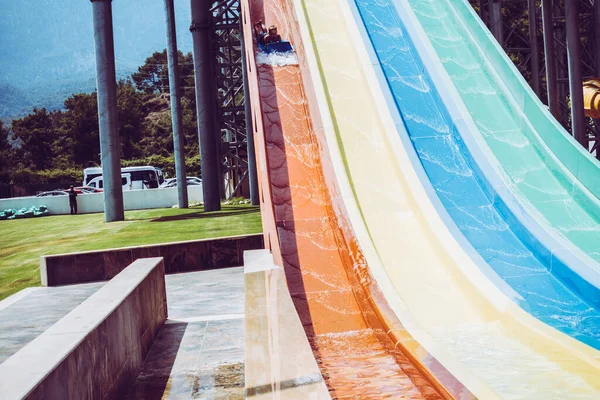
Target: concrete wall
[[280, 362], [97, 350], [195, 255], [94, 203]]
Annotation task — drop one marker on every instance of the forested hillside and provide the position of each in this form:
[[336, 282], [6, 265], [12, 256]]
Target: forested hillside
[[54, 146]]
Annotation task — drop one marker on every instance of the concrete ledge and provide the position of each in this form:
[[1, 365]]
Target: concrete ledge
[[97, 350], [101, 265], [279, 360]]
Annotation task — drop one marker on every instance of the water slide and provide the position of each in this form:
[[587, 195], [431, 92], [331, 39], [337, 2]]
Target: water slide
[[541, 162], [364, 174], [553, 281]]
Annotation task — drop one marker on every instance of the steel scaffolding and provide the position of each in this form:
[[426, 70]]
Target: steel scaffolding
[[520, 26], [228, 85]]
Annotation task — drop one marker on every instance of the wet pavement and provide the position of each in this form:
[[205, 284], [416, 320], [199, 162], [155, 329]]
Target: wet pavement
[[199, 352]]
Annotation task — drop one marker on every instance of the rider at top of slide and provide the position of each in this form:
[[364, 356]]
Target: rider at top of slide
[[265, 38]]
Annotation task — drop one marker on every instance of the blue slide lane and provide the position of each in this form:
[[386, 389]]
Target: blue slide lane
[[463, 190]]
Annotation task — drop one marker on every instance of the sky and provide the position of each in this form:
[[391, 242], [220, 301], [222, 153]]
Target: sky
[[47, 46]]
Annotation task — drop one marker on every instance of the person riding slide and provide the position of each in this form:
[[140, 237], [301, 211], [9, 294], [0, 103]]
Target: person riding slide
[[261, 32], [273, 36], [269, 41]]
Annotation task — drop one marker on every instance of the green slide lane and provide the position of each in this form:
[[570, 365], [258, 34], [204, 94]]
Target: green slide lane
[[556, 179]]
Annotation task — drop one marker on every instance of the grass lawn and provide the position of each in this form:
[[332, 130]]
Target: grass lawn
[[23, 241]]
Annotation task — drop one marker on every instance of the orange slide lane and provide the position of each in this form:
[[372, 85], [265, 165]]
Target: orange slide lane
[[324, 267]]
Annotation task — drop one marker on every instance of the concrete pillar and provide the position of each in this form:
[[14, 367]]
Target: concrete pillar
[[252, 172], [482, 11], [496, 21], [533, 45], [578, 124], [176, 115], [550, 58], [110, 150], [205, 103]]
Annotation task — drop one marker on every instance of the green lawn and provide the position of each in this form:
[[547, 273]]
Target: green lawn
[[23, 241]]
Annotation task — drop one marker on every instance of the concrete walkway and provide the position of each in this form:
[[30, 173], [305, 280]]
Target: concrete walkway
[[199, 352], [28, 313]]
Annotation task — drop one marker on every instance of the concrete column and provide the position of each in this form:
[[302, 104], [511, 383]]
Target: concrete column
[[110, 150], [205, 103], [496, 21], [176, 115], [482, 11], [578, 125], [533, 45], [252, 173], [550, 58]]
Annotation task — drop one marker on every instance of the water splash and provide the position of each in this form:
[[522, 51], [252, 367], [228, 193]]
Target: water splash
[[276, 59]]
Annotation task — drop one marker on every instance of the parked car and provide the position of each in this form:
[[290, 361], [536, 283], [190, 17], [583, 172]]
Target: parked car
[[53, 193], [191, 180], [98, 182], [78, 191], [87, 189], [167, 182], [142, 177]]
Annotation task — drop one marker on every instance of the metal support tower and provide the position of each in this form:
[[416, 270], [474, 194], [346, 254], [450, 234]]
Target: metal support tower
[[233, 143], [520, 45], [252, 172], [578, 128], [228, 85], [176, 113], [205, 104], [110, 149], [594, 126], [550, 58]]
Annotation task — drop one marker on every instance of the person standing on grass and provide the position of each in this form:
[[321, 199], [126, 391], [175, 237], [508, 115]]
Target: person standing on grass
[[72, 200]]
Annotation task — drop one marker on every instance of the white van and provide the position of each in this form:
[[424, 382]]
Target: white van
[[144, 177], [98, 183]]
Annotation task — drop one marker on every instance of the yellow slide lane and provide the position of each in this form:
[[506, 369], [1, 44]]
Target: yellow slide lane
[[446, 303]]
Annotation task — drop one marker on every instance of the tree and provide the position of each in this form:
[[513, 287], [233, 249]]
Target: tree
[[5, 154], [4, 142], [81, 137], [50, 143], [153, 76], [37, 134], [131, 114]]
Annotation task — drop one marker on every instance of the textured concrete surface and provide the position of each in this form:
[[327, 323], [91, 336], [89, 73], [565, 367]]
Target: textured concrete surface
[[103, 342], [34, 311], [199, 352]]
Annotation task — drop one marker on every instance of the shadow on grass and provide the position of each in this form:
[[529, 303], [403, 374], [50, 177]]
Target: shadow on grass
[[210, 215]]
